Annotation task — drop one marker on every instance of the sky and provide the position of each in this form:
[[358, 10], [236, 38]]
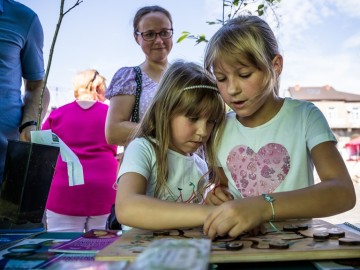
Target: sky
[[319, 40]]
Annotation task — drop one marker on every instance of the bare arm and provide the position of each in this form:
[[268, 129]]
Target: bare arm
[[118, 128], [33, 91], [134, 208], [334, 194]]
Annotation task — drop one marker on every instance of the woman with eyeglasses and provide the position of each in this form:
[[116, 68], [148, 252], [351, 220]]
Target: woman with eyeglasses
[[153, 31], [80, 125]]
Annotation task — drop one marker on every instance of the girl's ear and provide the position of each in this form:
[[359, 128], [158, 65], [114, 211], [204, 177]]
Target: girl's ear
[[278, 64]]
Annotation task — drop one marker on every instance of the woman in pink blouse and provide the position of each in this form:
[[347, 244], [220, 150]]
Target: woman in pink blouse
[[153, 31]]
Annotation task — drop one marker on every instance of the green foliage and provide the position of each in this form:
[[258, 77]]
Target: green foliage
[[231, 9], [198, 38]]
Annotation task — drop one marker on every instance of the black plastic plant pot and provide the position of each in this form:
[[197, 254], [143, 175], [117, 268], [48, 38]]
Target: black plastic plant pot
[[29, 169]]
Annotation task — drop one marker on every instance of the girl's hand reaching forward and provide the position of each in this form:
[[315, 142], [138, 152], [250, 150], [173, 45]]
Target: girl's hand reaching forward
[[218, 195], [235, 217]]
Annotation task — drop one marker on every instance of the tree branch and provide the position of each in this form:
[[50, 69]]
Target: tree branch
[[61, 16]]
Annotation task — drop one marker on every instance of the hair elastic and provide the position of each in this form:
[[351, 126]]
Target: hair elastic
[[201, 86]]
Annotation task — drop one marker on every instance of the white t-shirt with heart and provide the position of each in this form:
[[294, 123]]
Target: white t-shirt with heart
[[275, 156]]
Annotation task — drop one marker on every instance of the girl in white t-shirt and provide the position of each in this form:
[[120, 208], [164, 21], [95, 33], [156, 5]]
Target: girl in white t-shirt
[[270, 144], [161, 170]]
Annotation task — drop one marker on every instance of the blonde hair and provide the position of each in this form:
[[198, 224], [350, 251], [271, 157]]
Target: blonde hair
[[89, 85], [249, 38], [172, 100]]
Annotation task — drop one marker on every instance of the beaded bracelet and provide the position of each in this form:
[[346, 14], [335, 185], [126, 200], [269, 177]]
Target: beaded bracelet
[[270, 200], [26, 124]]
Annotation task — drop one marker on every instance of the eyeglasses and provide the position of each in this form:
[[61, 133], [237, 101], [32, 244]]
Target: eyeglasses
[[151, 35], [95, 74], [93, 79]]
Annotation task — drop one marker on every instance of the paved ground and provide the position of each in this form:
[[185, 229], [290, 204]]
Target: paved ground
[[352, 216]]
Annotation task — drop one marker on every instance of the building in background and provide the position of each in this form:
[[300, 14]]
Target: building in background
[[341, 109]]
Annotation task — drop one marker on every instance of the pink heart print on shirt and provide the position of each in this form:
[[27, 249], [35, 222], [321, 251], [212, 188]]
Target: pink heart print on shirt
[[258, 173]]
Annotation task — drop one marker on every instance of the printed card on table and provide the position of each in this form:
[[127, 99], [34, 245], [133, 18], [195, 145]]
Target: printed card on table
[[90, 242], [179, 254]]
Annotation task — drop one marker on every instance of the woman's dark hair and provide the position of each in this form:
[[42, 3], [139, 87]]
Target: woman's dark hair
[[148, 9]]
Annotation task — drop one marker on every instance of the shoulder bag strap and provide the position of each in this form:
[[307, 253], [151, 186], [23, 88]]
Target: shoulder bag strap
[[138, 79]]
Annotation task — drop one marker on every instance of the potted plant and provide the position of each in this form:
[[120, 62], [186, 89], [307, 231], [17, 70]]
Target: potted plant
[[29, 169]]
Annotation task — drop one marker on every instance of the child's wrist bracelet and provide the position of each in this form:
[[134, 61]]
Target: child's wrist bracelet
[[270, 200]]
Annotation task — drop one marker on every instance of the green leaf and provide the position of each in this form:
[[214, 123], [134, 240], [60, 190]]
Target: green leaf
[[201, 38], [260, 10], [211, 23], [183, 36]]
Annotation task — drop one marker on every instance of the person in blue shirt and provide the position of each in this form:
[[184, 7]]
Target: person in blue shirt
[[21, 58]]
